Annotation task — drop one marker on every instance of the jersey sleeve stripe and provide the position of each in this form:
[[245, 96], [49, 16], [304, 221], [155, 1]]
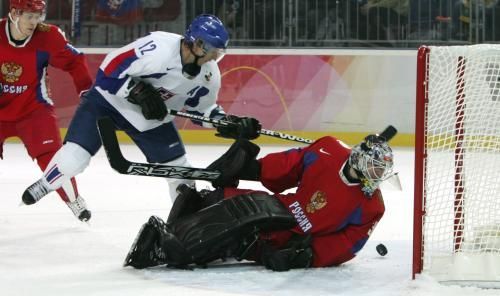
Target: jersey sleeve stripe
[[42, 92], [112, 85], [120, 63]]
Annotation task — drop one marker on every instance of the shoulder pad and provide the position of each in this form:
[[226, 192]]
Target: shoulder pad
[[43, 27]]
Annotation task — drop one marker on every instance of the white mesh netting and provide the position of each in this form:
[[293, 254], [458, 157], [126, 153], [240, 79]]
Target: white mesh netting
[[462, 182]]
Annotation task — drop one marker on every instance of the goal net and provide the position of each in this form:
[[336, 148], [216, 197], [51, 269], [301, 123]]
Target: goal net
[[457, 164]]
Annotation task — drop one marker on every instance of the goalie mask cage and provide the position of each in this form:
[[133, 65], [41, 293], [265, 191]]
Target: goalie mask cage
[[457, 165]]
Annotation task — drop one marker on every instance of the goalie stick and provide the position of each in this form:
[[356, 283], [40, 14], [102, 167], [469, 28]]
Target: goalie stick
[[389, 133], [219, 122], [123, 166]]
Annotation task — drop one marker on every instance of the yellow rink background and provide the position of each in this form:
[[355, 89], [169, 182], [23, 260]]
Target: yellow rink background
[[207, 137]]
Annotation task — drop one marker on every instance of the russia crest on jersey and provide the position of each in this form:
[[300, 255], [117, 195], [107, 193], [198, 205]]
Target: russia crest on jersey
[[119, 11]]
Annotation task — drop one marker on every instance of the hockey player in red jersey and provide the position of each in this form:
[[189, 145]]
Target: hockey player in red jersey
[[28, 46], [329, 218]]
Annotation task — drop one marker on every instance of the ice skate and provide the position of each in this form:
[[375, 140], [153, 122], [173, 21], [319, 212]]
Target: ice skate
[[79, 209], [35, 192]]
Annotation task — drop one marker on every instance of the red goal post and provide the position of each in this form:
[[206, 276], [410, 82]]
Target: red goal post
[[456, 235]]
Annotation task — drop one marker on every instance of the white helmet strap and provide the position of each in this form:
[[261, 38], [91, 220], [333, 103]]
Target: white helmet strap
[[15, 22]]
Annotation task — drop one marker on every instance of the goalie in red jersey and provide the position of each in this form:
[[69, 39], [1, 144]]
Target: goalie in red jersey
[[329, 218], [28, 46]]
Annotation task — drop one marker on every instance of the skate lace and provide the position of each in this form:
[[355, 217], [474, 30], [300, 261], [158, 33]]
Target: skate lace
[[77, 206], [38, 190]]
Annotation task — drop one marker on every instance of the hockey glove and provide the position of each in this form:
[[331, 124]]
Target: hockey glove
[[237, 163], [297, 254], [242, 127], [150, 100]]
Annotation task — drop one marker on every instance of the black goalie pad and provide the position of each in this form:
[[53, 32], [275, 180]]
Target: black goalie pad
[[218, 231], [190, 201], [143, 252], [156, 245]]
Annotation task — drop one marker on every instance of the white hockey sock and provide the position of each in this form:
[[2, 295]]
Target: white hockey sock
[[173, 183], [70, 160]]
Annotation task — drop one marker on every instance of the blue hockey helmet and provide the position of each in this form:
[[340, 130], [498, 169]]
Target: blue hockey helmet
[[209, 29]]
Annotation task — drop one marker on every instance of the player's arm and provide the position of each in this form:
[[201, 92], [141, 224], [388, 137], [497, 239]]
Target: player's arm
[[67, 58], [276, 171], [203, 102], [241, 127], [283, 170], [122, 72]]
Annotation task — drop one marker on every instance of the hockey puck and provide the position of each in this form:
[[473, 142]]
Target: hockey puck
[[381, 249]]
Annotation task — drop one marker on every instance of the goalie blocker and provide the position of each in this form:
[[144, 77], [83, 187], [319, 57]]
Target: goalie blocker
[[228, 228]]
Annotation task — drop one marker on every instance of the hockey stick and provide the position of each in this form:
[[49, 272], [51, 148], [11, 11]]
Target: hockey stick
[[388, 133], [123, 166], [219, 122]]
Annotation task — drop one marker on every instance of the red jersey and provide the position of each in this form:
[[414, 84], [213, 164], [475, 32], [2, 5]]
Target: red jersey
[[337, 213], [23, 69]]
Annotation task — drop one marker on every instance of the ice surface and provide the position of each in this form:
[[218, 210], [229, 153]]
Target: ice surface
[[44, 250]]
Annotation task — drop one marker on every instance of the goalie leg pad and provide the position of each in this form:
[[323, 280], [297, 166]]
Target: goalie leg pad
[[188, 201], [141, 253], [217, 231], [156, 245]]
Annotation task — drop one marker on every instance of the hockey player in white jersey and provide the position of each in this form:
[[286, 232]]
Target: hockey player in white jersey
[[135, 86]]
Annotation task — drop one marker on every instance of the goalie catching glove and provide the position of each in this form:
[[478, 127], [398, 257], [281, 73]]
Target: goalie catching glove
[[296, 254], [148, 98], [239, 127]]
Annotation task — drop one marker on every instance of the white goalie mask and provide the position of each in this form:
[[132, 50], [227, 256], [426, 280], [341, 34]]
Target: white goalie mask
[[373, 160]]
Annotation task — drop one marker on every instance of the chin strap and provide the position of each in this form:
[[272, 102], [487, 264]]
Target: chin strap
[[191, 70], [15, 22]]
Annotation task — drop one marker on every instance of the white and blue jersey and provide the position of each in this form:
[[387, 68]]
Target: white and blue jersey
[[156, 60]]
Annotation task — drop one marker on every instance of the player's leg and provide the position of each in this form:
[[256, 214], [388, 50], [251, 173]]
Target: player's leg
[[68, 191], [163, 145], [190, 201], [7, 130], [82, 141], [40, 135], [226, 229]]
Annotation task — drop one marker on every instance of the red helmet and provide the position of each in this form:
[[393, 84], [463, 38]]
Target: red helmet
[[28, 5]]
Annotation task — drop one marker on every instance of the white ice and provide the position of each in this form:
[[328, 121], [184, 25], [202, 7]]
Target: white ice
[[44, 250]]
